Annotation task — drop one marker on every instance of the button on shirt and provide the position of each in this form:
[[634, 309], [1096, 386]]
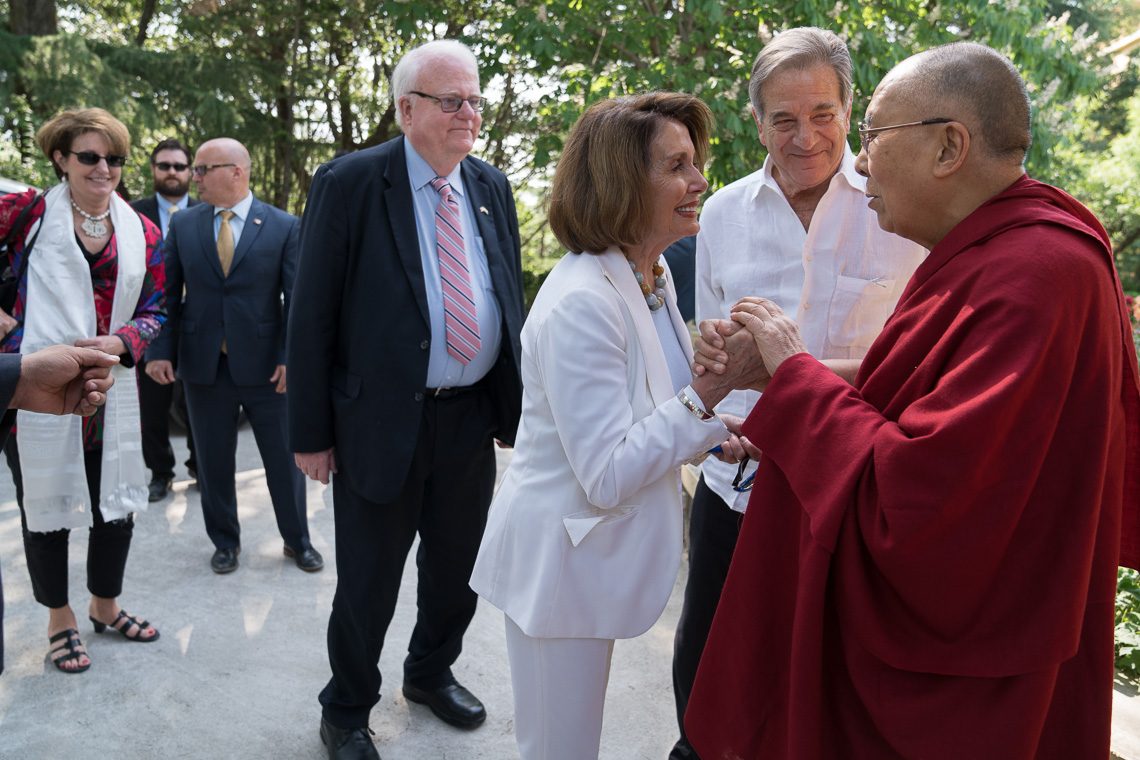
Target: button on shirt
[[444, 371], [164, 207], [840, 278], [237, 222]]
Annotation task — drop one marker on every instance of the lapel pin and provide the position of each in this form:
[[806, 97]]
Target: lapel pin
[[483, 210], [257, 221]]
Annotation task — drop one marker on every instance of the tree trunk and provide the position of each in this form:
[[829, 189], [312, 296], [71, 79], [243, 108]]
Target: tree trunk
[[283, 151], [32, 17], [144, 21]]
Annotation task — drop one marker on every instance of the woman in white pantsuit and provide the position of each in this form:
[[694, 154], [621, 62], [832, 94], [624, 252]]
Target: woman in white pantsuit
[[583, 540]]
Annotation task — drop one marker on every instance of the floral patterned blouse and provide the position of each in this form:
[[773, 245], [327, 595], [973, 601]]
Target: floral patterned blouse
[[149, 314]]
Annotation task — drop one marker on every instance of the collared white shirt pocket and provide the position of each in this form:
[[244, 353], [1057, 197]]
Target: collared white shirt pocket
[[864, 306]]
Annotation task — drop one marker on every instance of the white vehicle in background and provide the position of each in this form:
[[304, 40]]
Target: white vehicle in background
[[12, 186]]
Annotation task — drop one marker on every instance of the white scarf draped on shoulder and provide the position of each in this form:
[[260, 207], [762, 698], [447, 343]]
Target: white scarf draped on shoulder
[[60, 308]]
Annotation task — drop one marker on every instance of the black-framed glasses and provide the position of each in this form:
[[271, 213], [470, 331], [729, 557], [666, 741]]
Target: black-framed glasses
[[91, 158], [452, 103], [867, 134], [166, 166], [742, 484], [201, 170]]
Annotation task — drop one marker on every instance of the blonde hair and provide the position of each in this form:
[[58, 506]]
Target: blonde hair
[[599, 197], [62, 129]]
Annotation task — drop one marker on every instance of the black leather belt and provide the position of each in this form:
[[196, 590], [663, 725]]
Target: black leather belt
[[446, 393]]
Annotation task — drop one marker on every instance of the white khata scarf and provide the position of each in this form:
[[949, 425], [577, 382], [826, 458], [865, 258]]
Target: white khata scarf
[[60, 308]]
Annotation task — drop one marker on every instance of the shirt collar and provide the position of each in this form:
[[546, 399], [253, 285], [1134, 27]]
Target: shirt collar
[[240, 209], [420, 172], [845, 174], [166, 205]]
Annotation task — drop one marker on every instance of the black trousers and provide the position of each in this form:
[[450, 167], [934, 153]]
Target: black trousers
[[108, 543], [214, 412], [713, 530], [445, 500], [154, 404]]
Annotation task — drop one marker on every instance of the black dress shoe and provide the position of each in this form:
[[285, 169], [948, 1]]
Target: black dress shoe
[[159, 488], [348, 743], [225, 560], [451, 703], [309, 560]]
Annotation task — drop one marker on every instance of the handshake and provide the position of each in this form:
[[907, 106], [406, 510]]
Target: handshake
[[745, 350]]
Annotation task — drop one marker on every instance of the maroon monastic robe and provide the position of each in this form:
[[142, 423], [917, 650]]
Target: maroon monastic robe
[[928, 563]]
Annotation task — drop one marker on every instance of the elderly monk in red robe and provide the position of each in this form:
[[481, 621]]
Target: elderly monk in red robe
[[928, 564]]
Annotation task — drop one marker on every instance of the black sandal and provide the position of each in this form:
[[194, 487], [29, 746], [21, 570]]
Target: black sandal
[[68, 641], [123, 623]]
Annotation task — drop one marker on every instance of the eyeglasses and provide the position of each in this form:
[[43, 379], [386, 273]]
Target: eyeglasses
[[91, 158], [867, 134], [166, 166], [452, 103], [201, 170], [741, 484]]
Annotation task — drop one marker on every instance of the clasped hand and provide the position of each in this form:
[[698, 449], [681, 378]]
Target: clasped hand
[[64, 380], [748, 347]]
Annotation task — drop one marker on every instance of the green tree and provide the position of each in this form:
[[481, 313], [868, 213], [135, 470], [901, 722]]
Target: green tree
[[298, 80]]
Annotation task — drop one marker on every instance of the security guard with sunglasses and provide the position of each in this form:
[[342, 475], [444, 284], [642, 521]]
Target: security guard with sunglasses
[[170, 164]]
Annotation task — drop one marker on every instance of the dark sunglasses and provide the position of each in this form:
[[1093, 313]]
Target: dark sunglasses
[[165, 166], [91, 158]]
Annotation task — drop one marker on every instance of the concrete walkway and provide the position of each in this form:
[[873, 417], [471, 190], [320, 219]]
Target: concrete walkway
[[242, 656]]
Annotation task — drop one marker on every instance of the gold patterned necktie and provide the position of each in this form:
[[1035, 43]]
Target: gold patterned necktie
[[170, 212], [226, 241]]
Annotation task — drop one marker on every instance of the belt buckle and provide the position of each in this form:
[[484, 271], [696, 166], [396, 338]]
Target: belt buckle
[[439, 391]]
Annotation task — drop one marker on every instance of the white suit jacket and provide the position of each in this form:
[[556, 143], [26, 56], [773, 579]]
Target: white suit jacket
[[583, 539]]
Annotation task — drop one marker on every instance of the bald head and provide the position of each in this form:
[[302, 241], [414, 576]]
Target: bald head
[[948, 129], [975, 84], [221, 171], [229, 149]]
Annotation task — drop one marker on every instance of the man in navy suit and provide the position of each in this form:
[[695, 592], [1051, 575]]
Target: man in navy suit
[[170, 165], [237, 258], [403, 370]]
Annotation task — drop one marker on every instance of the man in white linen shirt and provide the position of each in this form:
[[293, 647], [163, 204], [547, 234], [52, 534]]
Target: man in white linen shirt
[[799, 232]]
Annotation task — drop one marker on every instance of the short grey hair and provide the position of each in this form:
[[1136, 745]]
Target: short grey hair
[[408, 70], [798, 49], [978, 80]]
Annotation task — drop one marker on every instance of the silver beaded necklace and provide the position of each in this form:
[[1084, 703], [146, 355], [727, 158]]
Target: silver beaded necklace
[[93, 226]]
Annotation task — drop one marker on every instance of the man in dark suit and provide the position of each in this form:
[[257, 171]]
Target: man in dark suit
[[237, 258], [404, 367], [170, 165], [682, 258]]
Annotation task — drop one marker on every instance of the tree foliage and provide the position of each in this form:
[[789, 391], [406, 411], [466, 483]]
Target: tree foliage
[[1097, 159], [296, 80]]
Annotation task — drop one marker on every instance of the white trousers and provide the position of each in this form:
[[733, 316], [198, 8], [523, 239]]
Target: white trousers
[[560, 690]]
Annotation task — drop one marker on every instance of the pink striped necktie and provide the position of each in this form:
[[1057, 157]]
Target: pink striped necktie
[[460, 323]]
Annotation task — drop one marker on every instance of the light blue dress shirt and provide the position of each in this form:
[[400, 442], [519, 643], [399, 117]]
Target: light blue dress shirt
[[164, 207], [443, 370], [237, 223], [679, 371]]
